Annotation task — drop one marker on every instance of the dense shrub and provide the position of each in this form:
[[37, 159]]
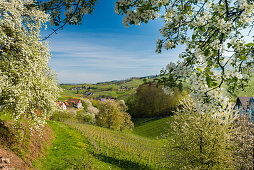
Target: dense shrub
[[84, 104], [243, 136], [151, 101], [62, 115], [112, 115], [95, 103], [85, 117]]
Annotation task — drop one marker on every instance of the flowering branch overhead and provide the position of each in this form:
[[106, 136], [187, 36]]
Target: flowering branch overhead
[[65, 12], [217, 53]]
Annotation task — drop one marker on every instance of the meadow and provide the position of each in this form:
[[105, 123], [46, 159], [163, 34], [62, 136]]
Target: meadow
[[152, 128], [248, 91]]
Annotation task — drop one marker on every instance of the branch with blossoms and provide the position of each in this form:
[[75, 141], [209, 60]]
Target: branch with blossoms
[[28, 88], [216, 55], [65, 12]]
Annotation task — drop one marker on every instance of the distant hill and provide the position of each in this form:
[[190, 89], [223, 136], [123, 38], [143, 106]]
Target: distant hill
[[113, 81], [128, 80], [119, 89]]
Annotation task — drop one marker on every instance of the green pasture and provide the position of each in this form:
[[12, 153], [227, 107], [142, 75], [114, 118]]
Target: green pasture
[[152, 127]]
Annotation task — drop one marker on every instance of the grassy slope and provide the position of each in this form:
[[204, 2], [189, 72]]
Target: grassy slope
[[129, 151], [249, 91], [151, 128], [69, 147]]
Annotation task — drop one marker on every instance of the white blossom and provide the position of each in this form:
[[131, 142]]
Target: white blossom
[[27, 85]]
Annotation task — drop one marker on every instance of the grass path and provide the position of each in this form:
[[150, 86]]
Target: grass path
[[70, 149]]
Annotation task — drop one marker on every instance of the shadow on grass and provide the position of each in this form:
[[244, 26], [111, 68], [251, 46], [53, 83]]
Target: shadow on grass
[[122, 163], [142, 121]]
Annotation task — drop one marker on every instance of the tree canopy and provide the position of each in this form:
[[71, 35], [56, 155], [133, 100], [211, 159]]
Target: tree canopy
[[28, 87], [65, 12], [112, 115], [217, 51], [151, 101]]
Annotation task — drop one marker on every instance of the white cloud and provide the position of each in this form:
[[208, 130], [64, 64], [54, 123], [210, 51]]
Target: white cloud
[[88, 60], [69, 76]]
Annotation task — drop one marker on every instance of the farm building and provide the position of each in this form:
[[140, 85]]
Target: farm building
[[63, 105], [75, 103], [245, 106]]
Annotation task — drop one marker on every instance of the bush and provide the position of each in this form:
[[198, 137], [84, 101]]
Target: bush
[[151, 101], [95, 103], [127, 123], [62, 116], [112, 116], [84, 104], [244, 144], [84, 117]]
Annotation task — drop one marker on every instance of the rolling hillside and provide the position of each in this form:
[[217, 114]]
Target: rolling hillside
[[115, 89], [152, 127], [82, 146]]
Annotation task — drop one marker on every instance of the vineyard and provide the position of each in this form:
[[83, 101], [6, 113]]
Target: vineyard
[[124, 147]]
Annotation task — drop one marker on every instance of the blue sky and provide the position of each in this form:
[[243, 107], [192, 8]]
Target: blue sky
[[102, 49]]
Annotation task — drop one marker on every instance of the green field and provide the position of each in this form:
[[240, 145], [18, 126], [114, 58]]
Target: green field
[[248, 91], [112, 89], [152, 127]]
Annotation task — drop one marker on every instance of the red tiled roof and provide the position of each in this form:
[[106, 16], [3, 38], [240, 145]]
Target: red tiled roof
[[66, 103], [59, 103], [74, 101]]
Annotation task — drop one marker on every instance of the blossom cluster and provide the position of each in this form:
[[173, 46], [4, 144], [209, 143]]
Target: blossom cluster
[[67, 11], [135, 16], [28, 87], [217, 54]]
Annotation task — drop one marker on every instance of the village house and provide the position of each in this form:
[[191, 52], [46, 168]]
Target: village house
[[102, 99], [88, 93], [245, 106], [73, 88], [67, 105], [75, 103], [63, 105], [106, 98], [77, 88]]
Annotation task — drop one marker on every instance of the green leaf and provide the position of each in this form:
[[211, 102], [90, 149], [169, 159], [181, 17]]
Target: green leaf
[[199, 69], [209, 81], [250, 45]]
